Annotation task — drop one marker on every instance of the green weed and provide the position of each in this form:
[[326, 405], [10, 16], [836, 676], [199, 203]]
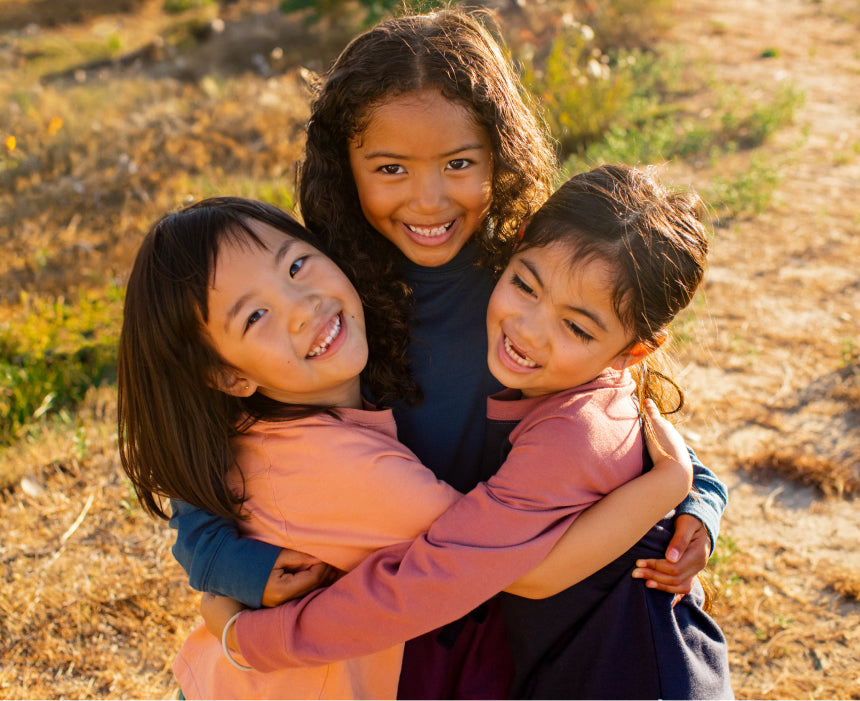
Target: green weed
[[850, 352], [129, 503], [52, 351], [684, 327], [656, 124], [581, 93], [720, 570], [749, 124], [273, 191], [374, 10], [177, 6], [746, 194]]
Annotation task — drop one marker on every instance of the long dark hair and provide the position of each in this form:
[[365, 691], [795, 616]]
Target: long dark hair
[[655, 240], [450, 51], [175, 430]]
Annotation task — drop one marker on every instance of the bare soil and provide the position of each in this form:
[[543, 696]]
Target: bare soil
[[92, 604]]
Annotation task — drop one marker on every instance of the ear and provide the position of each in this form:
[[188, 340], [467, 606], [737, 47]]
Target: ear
[[229, 382], [638, 352]]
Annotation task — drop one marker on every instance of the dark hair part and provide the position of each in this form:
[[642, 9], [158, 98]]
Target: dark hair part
[[450, 51], [653, 238], [175, 430]]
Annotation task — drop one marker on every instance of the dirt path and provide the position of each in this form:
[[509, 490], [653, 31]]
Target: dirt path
[[780, 355]]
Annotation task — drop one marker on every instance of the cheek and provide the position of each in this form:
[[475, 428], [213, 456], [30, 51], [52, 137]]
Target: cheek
[[482, 196], [365, 196], [497, 309]]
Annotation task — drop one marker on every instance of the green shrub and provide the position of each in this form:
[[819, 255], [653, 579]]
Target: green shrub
[[581, 94], [374, 10], [656, 123], [52, 352], [177, 6]]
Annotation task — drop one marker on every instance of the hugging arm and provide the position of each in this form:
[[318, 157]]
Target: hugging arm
[[613, 525], [210, 550], [499, 531]]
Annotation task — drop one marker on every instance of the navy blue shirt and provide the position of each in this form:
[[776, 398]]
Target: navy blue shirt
[[449, 359]]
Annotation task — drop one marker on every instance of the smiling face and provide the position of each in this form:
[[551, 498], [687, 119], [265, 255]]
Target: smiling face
[[287, 320], [552, 326], [423, 170]]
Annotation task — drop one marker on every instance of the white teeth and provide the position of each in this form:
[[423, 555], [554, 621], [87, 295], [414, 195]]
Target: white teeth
[[430, 231], [333, 334], [516, 357]]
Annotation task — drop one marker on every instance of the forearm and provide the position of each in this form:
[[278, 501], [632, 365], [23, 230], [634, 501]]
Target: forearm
[[384, 601], [217, 559], [708, 499], [605, 531]]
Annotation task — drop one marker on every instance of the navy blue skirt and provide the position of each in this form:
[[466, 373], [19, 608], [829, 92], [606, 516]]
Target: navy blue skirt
[[611, 637]]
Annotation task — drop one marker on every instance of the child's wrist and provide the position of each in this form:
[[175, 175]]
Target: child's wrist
[[230, 643]]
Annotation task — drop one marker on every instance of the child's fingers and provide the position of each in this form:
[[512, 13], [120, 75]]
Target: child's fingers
[[693, 541], [284, 586], [293, 560], [664, 575]]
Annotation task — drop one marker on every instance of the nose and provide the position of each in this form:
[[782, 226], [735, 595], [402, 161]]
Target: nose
[[530, 328], [304, 308], [429, 193]]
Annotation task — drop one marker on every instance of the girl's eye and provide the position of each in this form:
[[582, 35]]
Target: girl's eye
[[521, 284], [254, 318], [391, 169], [578, 332], [296, 266], [459, 163]]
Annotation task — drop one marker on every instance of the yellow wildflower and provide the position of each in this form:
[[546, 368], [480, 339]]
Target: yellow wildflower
[[54, 125], [11, 143]]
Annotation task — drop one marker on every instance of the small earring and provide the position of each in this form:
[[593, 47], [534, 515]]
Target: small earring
[[247, 387]]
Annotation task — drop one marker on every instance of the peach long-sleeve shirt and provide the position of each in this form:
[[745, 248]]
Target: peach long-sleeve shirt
[[337, 489]]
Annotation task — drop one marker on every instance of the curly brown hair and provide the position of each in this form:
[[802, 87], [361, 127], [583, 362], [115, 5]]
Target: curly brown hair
[[451, 51]]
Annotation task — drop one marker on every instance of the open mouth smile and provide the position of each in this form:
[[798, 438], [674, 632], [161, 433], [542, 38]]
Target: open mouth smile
[[519, 358], [430, 232], [327, 337]]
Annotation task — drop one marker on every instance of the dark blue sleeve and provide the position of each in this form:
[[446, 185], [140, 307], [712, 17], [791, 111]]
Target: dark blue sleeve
[[708, 501], [217, 559]]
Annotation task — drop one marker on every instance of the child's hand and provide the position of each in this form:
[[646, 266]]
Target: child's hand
[[686, 556], [294, 575], [668, 450]]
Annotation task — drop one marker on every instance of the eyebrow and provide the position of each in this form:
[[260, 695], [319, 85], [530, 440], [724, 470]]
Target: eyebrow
[[579, 310], [284, 249], [403, 157], [280, 254]]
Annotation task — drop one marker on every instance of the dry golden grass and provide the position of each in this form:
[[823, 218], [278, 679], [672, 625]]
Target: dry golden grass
[[92, 599], [92, 603], [832, 478]]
